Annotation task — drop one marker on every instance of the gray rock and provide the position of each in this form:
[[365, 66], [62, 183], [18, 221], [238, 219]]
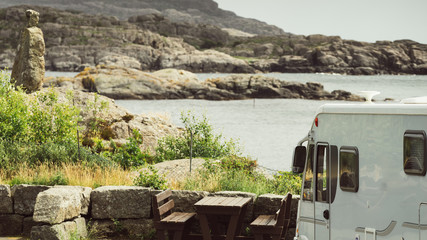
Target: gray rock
[[85, 196], [6, 205], [28, 224], [56, 205], [11, 224], [120, 202], [63, 231], [185, 200], [28, 68], [267, 204], [24, 198], [122, 228]]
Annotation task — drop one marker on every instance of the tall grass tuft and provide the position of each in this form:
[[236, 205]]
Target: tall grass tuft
[[76, 174]]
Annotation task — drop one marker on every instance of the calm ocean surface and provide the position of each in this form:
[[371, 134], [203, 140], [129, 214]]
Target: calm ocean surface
[[269, 129]]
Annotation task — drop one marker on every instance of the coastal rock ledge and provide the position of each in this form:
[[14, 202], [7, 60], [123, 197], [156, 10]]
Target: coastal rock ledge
[[125, 83]]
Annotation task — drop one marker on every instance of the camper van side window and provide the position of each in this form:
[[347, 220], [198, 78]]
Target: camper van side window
[[349, 169], [414, 153], [308, 180]]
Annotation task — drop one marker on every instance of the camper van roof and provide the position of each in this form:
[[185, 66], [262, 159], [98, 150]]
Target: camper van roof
[[406, 109]]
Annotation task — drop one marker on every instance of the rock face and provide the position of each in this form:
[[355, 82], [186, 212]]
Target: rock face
[[119, 122], [75, 41], [28, 69], [179, 11], [331, 54], [123, 83]]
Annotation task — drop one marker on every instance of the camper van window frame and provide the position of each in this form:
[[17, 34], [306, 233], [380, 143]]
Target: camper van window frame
[[413, 134], [355, 151], [308, 186], [322, 195]]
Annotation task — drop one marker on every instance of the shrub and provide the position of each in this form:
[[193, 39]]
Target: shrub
[[206, 143], [150, 178], [130, 155]]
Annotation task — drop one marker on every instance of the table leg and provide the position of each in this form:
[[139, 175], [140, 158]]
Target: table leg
[[242, 216], [232, 227], [204, 225]]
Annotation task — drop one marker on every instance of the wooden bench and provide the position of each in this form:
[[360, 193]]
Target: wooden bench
[[275, 226], [174, 223]]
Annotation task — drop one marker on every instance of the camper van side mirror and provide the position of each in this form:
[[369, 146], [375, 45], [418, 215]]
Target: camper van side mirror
[[299, 159]]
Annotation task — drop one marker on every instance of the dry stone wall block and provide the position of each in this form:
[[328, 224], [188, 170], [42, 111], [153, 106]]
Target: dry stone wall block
[[6, 205], [75, 229], [24, 198], [185, 200], [85, 196], [120, 202], [28, 224], [56, 205], [267, 204], [11, 224], [131, 228]]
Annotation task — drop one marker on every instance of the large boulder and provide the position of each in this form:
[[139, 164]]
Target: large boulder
[[24, 198], [6, 204], [58, 204], [120, 202], [28, 68], [75, 229]]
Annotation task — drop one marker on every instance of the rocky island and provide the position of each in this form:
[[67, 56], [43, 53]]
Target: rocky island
[[127, 83]]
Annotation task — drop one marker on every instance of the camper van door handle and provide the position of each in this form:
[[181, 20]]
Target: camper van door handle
[[326, 214]]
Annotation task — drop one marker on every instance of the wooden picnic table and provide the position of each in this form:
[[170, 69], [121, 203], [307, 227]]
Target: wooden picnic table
[[210, 208]]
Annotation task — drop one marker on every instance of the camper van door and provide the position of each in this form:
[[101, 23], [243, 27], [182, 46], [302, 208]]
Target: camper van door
[[321, 203]]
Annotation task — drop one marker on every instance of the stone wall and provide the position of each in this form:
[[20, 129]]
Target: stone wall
[[69, 212]]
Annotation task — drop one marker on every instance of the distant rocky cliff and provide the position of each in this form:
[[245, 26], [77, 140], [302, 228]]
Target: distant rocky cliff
[[151, 41], [74, 41], [188, 11]]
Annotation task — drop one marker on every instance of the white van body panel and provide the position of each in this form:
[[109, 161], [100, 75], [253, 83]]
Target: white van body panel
[[389, 202]]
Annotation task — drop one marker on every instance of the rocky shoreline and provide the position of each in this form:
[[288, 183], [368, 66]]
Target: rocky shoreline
[[126, 83]]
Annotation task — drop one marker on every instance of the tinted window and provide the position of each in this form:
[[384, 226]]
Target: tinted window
[[308, 179], [414, 153], [349, 169]]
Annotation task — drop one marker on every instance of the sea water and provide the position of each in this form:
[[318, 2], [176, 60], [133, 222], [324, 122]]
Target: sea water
[[269, 129]]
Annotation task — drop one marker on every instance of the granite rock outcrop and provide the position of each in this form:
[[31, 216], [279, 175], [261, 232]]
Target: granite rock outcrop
[[124, 83], [178, 11], [75, 41]]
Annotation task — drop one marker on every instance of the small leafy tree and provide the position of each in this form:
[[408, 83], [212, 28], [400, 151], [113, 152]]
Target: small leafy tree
[[206, 143]]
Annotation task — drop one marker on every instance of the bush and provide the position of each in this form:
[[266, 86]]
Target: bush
[[39, 117], [150, 178], [206, 144], [130, 155]]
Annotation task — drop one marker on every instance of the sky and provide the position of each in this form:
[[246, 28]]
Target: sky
[[361, 20]]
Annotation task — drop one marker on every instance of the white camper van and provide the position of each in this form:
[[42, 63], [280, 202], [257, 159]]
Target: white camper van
[[364, 173]]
